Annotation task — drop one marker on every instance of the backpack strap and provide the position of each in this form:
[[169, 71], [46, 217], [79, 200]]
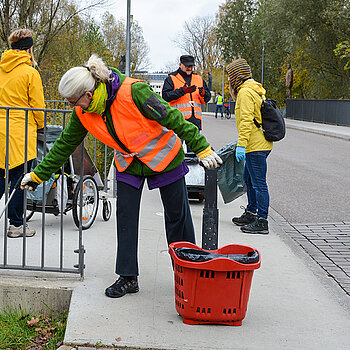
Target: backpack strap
[[254, 120]]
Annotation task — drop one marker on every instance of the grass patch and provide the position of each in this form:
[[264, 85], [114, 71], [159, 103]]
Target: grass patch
[[22, 330]]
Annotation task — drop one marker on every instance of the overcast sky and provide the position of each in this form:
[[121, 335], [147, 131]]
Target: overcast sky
[[161, 21]]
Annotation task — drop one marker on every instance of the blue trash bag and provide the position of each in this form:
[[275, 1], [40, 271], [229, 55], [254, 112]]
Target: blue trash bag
[[37, 195], [230, 174]]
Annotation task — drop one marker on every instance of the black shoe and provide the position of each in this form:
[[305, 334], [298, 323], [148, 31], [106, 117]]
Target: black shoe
[[259, 225], [122, 286], [246, 218]]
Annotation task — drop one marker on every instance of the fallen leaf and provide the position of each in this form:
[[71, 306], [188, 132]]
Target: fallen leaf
[[33, 321], [118, 339]]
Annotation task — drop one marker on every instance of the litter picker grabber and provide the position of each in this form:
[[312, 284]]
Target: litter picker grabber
[[210, 222], [18, 184]]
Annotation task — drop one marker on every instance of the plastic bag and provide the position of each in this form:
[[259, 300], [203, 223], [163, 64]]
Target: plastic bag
[[197, 255], [37, 195], [230, 174]]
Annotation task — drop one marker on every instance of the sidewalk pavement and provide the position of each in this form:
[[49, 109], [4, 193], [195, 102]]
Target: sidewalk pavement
[[342, 132], [293, 304]]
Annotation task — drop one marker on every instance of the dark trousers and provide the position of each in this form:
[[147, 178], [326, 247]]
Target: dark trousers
[[255, 178], [218, 108], [15, 208], [177, 216]]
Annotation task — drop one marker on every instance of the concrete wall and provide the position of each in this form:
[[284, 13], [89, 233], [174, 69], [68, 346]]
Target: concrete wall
[[33, 296]]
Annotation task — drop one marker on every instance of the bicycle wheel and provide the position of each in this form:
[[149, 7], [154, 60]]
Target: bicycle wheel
[[90, 202], [227, 114], [29, 214], [106, 210]]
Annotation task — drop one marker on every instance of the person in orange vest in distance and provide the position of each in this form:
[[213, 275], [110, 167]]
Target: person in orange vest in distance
[[186, 91], [127, 115]]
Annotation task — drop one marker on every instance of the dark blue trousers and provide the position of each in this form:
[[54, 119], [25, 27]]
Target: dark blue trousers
[[255, 178], [177, 216], [15, 209]]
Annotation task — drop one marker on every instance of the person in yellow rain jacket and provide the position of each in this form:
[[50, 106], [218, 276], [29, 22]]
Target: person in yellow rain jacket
[[251, 146], [20, 86]]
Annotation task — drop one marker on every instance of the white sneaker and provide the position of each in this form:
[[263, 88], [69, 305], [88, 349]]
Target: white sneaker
[[15, 232]]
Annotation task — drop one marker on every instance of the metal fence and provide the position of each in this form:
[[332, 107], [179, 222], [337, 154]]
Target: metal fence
[[335, 112], [212, 106], [80, 187]]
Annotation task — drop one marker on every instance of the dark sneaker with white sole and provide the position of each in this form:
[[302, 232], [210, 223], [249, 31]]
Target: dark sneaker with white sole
[[122, 286], [246, 218], [258, 226]]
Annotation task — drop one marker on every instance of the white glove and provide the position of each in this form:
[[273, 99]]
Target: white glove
[[28, 183], [211, 161]]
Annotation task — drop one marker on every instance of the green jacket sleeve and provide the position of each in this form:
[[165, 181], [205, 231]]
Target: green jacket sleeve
[[65, 145], [153, 106]]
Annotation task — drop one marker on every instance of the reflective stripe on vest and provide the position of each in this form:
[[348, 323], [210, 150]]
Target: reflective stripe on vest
[[153, 144], [184, 103]]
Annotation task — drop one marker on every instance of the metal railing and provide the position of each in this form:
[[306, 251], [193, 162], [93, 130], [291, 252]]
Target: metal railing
[[335, 112], [15, 257]]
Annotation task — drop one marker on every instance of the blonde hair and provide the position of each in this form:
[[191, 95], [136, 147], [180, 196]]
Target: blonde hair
[[21, 34], [78, 80]]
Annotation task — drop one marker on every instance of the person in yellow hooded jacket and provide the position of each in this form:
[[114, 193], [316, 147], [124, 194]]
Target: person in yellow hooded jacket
[[20, 86], [251, 146]]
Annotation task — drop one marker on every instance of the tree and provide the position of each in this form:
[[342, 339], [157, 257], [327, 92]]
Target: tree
[[343, 51], [302, 33], [114, 33], [47, 18], [199, 40]]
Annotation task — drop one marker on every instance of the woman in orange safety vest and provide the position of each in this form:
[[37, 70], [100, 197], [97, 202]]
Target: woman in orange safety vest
[[145, 131]]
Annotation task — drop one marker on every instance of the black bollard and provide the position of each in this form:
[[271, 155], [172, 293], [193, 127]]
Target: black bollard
[[210, 211]]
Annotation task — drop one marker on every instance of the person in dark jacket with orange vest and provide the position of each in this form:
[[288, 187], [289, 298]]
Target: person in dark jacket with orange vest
[[186, 91], [145, 133]]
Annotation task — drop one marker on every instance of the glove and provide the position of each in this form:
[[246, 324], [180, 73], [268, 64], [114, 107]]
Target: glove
[[28, 182], [240, 153], [209, 158], [189, 89], [201, 91]]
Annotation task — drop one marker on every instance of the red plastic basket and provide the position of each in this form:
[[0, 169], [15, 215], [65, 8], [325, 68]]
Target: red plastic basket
[[215, 291]]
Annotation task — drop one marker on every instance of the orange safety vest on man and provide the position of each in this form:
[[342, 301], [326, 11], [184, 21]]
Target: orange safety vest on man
[[152, 143], [189, 104]]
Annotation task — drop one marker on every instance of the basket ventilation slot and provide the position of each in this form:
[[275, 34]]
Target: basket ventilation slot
[[233, 275], [203, 310], [207, 274], [229, 311]]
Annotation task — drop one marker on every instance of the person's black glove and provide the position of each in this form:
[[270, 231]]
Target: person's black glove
[[189, 89], [201, 91]]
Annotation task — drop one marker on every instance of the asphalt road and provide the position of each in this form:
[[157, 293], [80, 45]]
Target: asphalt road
[[308, 174]]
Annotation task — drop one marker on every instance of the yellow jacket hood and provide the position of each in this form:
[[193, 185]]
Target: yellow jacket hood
[[254, 85], [10, 59]]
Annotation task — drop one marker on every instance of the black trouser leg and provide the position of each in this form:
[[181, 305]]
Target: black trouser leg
[[177, 214], [128, 209]]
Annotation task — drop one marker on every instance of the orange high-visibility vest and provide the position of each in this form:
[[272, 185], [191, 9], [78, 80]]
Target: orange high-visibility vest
[[152, 143], [188, 103]]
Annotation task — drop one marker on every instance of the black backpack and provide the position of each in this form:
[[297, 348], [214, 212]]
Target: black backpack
[[273, 125]]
